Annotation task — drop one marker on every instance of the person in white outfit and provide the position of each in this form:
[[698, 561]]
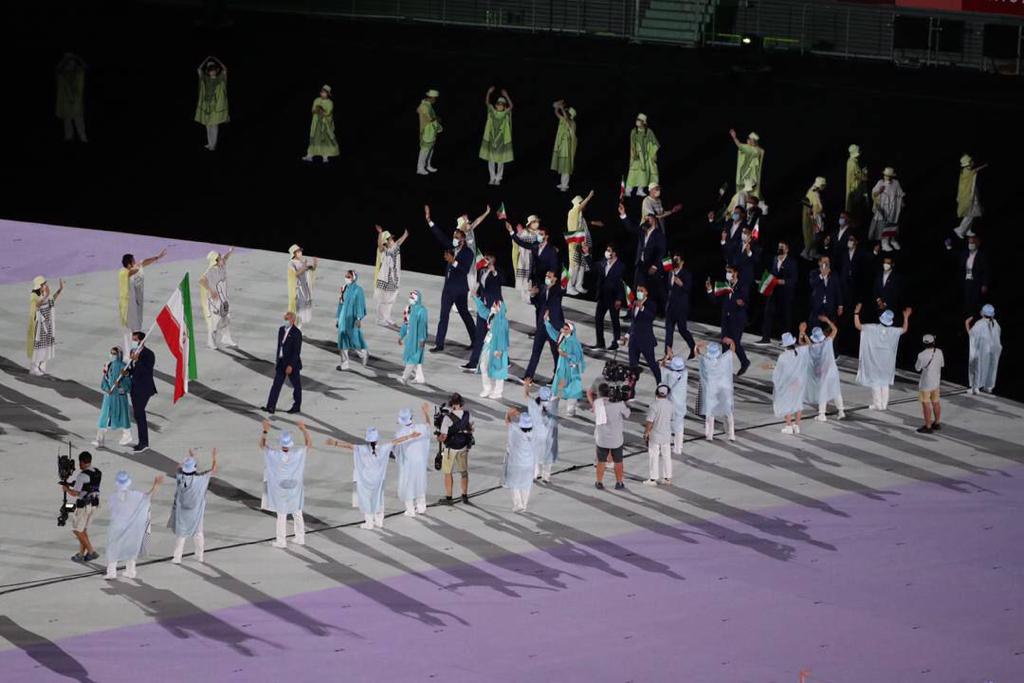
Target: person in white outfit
[[929, 363], [283, 485], [387, 275], [789, 380], [413, 460], [658, 435], [520, 456], [189, 506], [213, 290], [823, 373], [887, 196], [716, 387], [129, 524], [675, 376], [877, 363], [986, 346], [543, 410]]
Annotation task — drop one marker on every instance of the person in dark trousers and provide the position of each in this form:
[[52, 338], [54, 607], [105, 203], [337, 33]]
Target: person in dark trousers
[[651, 247], [826, 292], [835, 240], [678, 286], [641, 334], [742, 254], [143, 388], [734, 312], [611, 294], [973, 273], [546, 300], [459, 259], [779, 303], [288, 364], [732, 227], [545, 254], [489, 289], [852, 264], [886, 291]]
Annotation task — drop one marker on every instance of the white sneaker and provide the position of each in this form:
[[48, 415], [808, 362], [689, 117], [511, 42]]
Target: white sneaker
[[841, 415], [366, 525], [496, 396], [820, 417], [787, 430], [111, 574], [796, 429], [628, 192], [485, 394], [431, 169], [895, 244], [125, 440], [665, 482], [571, 291], [581, 290], [175, 560], [96, 443], [421, 171], [732, 437], [344, 366], [640, 192], [410, 513], [650, 482], [307, 158], [279, 545], [364, 355], [130, 573]]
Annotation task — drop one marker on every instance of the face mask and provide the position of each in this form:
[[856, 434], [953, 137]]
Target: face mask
[[640, 296], [287, 324], [851, 244], [412, 301], [455, 241], [781, 251], [842, 221], [736, 215], [886, 267], [971, 246], [113, 355], [348, 281], [542, 238], [548, 281], [608, 255], [135, 346], [729, 277], [745, 238]]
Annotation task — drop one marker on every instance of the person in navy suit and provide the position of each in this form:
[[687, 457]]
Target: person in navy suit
[[742, 254], [288, 363], [545, 255], [852, 263], [546, 301], [459, 259], [780, 302], [641, 334], [826, 292], [973, 273], [651, 247], [733, 226], [143, 388], [734, 313], [488, 288], [611, 294], [886, 290], [679, 285]]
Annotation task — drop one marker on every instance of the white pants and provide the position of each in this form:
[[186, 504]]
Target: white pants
[[576, 274], [497, 170], [425, 157], [75, 125], [880, 397], [211, 137], [372, 520], [416, 507], [298, 527], [523, 287], [218, 328], [101, 436], [127, 341], [677, 442], [709, 426], [838, 402], [542, 471], [198, 540], [384, 312], [129, 569], [660, 453], [564, 185], [520, 497], [413, 371]]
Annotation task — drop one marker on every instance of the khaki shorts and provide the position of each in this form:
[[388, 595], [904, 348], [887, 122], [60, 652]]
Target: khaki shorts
[[81, 517], [455, 461], [928, 395]]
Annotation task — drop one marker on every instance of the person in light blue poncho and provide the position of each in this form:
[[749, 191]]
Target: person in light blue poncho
[[413, 460], [789, 380], [351, 311], [283, 486], [568, 379], [985, 347], [413, 338], [543, 410], [823, 374], [675, 377], [115, 412], [129, 524], [716, 387], [877, 362], [189, 506], [494, 356], [520, 456], [370, 470]]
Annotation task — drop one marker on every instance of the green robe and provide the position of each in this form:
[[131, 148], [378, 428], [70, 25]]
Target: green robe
[[70, 88], [212, 105], [430, 125], [497, 142], [563, 158], [965, 191], [748, 166], [643, 158], [856, 184], [322, 141]]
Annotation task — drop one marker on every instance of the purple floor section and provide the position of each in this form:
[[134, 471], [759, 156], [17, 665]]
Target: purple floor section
[[925, 585], [31, 249]]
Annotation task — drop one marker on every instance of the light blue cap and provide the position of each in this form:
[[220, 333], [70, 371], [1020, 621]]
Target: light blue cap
[[525, 421], [817, 336], [545, 394], [285, 440], [405, 417], [988, 310], [677, 363], [371, 435], [123, 480], [714, 350], [189, 466], [788, 339], [886, 318]]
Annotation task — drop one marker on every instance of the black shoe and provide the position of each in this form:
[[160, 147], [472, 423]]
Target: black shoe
[[924, 429], [78, 557], [763, 341], [140, 448], [465, 499], [468, 366], [267, 410], [91, 556], [447, 500], [598, 347], [436, 349], [693, 354], [619, 486], [743, 369], [613, 346], [599, 486], [936, 427], [293, 410]]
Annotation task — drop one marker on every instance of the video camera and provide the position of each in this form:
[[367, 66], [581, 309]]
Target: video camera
[[457, 439], [65, 468], [621, 379]]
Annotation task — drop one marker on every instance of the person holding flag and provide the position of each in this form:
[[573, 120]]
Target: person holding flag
[[488, 290], [679, 285], [577, 236], [611, 294], [778, 286], [351, 311], [568, 379], [547, 303], [732, 299], [412, 337], [493, 357], [114, 409], [458, 257], [563, 158], [643, 158], [642, 341]]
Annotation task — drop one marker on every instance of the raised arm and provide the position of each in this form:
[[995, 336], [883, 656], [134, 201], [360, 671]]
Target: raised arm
[[213, 461], [401, 240], [157, 480], [407, 437], [154, 259], [906, 318], [263, 436], [967, 324], [833, 331], [736, 140], [60, 289], [586, 200], [434, 230], [509, 99], [305, 433], [487, 97], [227, 255], [426, 412], [480, 218]]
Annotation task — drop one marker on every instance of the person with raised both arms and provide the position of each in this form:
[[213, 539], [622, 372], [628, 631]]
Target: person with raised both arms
[[459, 260]]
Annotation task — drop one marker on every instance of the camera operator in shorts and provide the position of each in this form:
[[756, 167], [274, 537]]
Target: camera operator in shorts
[[610, 412], [455, 434], [86, 492]]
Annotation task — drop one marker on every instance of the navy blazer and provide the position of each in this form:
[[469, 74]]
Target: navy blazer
[[888, 293], [543, 261], [788, 272], [641, 333], [290, 352], [734, 316], [647, 255], [609, 287], [456, 272], [853, 271], [142, 374], [825, 296], [490, 291], [979, 269], [548, 300], [679, 297]]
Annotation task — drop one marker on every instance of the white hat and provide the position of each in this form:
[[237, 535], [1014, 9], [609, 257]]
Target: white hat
[[189, 466], [788, 339], [988, 310], [285, 440], [532, 219], [371, 435], [123, 481], [405, 417], [641, 117], [544, 394], [677, 363], [433, 93], [966, 161], [886, 318], [651, 186], [577, 200], [294, 248], [754, 136], [662, 391], [928, 339], [572, 112], [819, 182], [212, 257], [501, 100], [37, 282], [714, 350], [817, 336], [525, 421], [889, 172], [854, 150], [326, 88]]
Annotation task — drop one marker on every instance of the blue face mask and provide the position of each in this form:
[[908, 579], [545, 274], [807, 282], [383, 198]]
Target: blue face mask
[[548, 281], [842, 221], [287, 324], [135, 346], [736, 215], [455, 242]]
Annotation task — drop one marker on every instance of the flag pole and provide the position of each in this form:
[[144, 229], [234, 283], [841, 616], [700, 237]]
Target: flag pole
[[126, 365]]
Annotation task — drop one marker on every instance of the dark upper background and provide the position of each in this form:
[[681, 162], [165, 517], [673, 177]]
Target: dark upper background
[[145, 169]]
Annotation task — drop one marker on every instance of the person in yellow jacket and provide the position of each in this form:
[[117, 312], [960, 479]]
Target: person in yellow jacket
[[131, 294], [968, 207], [749, 161], [430, 128], [323, 142], [42, 325]]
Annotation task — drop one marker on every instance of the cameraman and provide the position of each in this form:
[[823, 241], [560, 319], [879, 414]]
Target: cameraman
[[609, 415], [86, 490], [455, 434]]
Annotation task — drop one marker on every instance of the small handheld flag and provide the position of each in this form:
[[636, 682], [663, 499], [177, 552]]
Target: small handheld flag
[[481, 261], [577, 237], [630, 296], [722, 289], [501, 212], [666, 264], [622, 187], [767, 283], [565, 277]]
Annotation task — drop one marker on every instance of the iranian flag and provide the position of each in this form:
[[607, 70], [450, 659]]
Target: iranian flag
[[630, 296], [481, 261], [501, 212], [722, 289], [767, 283], [175, 321], [622, 187], [666, 263], [577, 237], [565, 277]]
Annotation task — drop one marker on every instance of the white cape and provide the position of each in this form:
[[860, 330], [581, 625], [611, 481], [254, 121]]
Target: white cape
[[878, 344], [283, 489], [413, 460], [822, 374], [520, 456], [129, 524], [676, 382], [790, 381], [985, 348], [189, 504], [716, 385], [370, 472], [545, 426]]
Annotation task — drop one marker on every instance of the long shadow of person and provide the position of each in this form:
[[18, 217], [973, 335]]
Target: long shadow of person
[[184, 619], [45, 652]]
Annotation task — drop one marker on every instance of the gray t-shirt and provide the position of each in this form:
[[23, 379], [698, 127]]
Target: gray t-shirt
[[660, 414], [929, 364], [609, 435]]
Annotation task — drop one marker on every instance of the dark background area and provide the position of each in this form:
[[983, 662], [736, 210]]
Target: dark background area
[[145, 169]]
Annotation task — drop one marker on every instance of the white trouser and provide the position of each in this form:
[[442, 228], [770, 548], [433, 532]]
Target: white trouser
[[570, 406], [373, 519], [496, 169], [211, 136], [73, 125], [542, 470], [677, 442], [298, 527], [384, 312], [430, 159], [880, 397], [520, 497], [576, 275], [127, 333], [565, 181], [129, 569], [660, 453], [198, 540], [523, 287], [709, 426], [421, 161], [412, 371], [218, 328], [344, 356], [823, 405]]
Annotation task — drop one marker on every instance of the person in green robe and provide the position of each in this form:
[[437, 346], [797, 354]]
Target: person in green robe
[[212, 105], [857, 195], [749, 161], [968, 206], [496, 147], [563, 158], [322, 141], [643, 158], [70, 91], [430, 128], [351, 311]]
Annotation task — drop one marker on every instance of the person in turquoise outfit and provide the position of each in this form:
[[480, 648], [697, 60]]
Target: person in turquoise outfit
[[115, 412], [568, 379], [351, 311], [413, 338], [494, 356]]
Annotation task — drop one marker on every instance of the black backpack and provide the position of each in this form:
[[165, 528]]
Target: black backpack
[[459, 436]]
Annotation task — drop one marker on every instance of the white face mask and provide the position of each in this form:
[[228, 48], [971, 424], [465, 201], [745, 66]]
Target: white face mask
[[842, 221], [640, 296], [135, 346], [608, 255], [412, 301], [455, 241], [548, 281], [886, 267], [730, 277], [348, 281], [113, 355], [971, 246]]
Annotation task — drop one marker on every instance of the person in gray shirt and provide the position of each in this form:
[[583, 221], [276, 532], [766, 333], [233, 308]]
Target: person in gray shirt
[[658, 434], [608, 433], [929, 363]]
